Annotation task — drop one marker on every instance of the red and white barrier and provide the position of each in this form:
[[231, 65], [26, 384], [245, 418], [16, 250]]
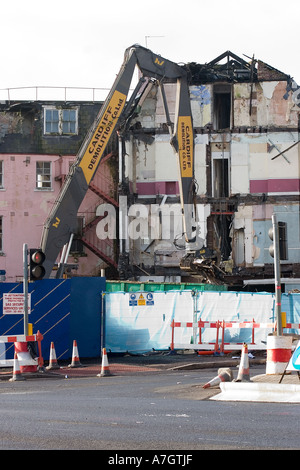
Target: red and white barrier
[[18, 338], [27, 363], [240, 325], [222, 346], [295, 326], [200, 324], [279, 352]]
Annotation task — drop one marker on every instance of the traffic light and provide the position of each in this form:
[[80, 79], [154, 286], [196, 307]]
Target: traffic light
[[283, 246], [282, 241], [36, 268]]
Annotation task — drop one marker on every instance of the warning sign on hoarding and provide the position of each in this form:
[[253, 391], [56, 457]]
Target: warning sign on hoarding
[[13, 304], [132, 300], [140, 300], [150, 299]]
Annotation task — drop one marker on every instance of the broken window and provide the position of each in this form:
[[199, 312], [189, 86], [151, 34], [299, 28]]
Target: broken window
[[61, 121], [222, 107], [239, 247], [222, 228], [220, 177]]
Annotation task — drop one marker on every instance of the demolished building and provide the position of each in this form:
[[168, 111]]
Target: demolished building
[[247, 157], [247, 167]]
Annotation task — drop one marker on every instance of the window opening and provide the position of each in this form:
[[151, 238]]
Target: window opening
[[239, 247], [220, 177], [69, 120], [43, 175], [51, 121], [222, 106], [61, 121]]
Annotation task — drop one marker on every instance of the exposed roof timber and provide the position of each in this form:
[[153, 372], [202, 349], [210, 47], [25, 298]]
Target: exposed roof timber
[[229, 54], [234, 69]]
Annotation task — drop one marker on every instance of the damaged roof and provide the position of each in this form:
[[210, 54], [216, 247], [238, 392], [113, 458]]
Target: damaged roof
[[228, 67]]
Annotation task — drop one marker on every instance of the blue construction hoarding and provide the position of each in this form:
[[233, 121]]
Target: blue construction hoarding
[[63, 310]]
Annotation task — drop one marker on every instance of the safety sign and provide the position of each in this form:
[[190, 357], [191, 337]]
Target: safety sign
[[294, 363], [149, 299], [141, 299], [132, 300], [13, 304]]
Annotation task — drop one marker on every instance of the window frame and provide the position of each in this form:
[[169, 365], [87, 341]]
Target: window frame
[[43, 174], [60, 122]]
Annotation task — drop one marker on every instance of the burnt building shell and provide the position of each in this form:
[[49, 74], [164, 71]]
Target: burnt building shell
[[233, 70]]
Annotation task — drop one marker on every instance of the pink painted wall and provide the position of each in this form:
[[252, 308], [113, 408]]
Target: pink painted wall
[[24, 210], [276, 185]]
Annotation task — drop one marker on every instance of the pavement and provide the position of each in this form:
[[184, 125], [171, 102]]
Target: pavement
[[259, 388]]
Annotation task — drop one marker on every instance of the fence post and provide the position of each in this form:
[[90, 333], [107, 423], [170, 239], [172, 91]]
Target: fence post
[[223, 332], [253, 321], [39, 338], [217, 336], [200, 324], [172, 339]]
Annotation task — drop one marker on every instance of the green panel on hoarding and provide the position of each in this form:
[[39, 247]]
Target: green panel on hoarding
[[128, 286]]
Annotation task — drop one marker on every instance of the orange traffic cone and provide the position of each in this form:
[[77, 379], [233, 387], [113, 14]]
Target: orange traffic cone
[[243, 373], [75, 356], [224, 375], [104, 367], [16, 372], [52, 360]]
